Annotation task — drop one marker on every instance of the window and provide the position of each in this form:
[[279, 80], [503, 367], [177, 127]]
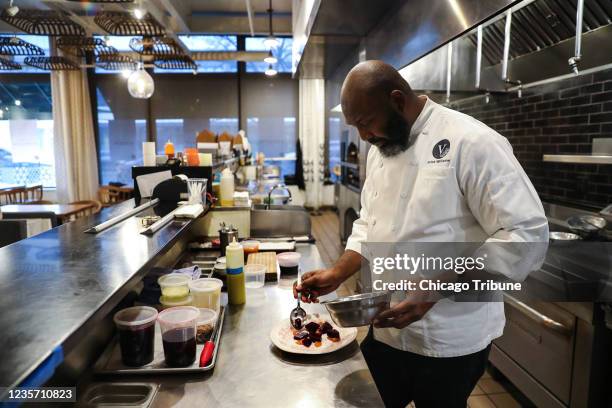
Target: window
[[195, 43], [26, 123], [122, 127], [272, 127], [282, 53], [184, 105]]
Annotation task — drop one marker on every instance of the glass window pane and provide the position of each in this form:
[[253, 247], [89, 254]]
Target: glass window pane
[[282, 53], [26, 131], [122, 128], [39, 40], [184, 105], [196, 43]]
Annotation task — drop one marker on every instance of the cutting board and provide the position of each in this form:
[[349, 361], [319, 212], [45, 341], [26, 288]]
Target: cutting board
[[269, 260]]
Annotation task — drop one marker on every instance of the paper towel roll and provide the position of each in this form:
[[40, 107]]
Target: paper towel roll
[[148, 153]]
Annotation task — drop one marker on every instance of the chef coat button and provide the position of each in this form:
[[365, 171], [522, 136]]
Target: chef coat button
[[374, 222], [394, 228], [381, 164], [376, 194], [404, 194]]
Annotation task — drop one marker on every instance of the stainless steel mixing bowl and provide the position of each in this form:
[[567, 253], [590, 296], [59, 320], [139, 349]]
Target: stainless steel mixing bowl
[[357, 310]]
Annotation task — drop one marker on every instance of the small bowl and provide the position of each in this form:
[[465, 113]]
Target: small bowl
[[357, 310]]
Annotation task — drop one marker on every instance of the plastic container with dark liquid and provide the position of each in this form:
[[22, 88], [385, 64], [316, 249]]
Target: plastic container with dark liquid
[[289, 263], [136, 328], [178, 328]]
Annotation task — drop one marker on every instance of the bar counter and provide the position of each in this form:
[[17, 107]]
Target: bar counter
[[58, 284]]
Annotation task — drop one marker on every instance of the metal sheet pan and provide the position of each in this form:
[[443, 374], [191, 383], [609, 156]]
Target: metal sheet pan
[[110, 360]]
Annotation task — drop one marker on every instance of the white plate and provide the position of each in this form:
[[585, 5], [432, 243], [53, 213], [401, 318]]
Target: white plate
[[282, 337]]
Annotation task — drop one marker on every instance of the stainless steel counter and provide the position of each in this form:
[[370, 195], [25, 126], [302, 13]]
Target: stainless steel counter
[[250, 371]]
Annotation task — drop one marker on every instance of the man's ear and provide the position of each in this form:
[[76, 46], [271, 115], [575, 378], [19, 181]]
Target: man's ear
[[398, 100]]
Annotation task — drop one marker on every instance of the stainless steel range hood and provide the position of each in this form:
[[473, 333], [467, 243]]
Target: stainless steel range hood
[[396, 31]]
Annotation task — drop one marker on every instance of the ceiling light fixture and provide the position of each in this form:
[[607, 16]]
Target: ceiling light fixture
[[12, 10], [17, 102], [270, 59], [139, 13], [270, 71], [140, 84], [271, 41], [126, 73]]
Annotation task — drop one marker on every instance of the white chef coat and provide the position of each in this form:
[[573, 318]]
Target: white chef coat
[[473, 191]]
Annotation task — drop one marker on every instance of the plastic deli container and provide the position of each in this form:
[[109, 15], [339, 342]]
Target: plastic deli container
[[174, 285], [254, 276], [249, 247], [178, 328], [136, 327], [289, 262], [206, 293], [205, 325], [166, 302]]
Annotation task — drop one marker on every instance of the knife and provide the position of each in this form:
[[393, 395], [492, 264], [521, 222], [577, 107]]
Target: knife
[[209, 346]]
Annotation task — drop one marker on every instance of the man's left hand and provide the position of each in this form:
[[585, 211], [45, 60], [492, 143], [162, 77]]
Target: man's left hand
[[403, 314]]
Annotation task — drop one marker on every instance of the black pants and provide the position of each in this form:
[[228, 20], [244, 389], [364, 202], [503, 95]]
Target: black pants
[[402, 376]]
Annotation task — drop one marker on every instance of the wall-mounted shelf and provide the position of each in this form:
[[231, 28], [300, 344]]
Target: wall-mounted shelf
[[578, 158]]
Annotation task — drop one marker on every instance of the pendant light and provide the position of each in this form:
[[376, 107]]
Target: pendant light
[[271, 41], [271, 71], [270, 59], [140, 84]]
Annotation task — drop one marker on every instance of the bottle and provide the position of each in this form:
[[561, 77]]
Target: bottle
[[234, 260], [226, 192], [169, 149]]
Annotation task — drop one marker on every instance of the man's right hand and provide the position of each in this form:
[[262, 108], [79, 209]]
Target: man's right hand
[[317, 283]]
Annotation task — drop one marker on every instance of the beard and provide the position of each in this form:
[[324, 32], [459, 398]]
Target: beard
[[397, 134]]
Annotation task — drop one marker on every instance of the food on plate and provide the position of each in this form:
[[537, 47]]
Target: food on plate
[[314, 332]]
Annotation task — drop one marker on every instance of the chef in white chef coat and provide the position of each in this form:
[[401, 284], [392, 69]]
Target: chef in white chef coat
[[433, 175]]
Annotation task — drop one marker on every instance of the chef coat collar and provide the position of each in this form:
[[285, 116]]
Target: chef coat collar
[[421, 121]]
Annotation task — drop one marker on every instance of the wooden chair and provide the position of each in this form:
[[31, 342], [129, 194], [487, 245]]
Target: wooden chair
[[110, 195], [12, 195], [33, 194], [93, 208]]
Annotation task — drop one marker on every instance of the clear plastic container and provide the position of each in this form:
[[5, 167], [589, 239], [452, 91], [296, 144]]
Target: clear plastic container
[[288, 262], [249, 247], [136, 328], [254, 276], [206, 293], [178, 328], [166, 302], [205, 325], [174, 285]]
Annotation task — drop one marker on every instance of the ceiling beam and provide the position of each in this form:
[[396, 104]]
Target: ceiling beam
[[179, 12], [249, 9]]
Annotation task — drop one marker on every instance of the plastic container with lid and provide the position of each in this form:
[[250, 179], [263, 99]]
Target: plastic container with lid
[[136, 328], [227, 188], [289, 262], [250, 247], [174, 285], [206, 293], [254, 276], [178, 328], [205, 324], [167, 302]]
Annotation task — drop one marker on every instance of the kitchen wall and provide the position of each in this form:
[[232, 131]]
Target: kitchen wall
[[561, 117]]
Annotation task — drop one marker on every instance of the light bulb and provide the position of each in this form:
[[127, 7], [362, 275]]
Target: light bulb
[[140, 84], [270, 59], [270, 42], [17, 102], [126, 73], [270, 71], [139, 13]]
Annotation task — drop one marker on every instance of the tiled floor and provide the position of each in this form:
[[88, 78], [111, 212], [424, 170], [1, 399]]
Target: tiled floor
[[488, 393]]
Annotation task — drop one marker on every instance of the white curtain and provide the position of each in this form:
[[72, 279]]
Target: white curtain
[[76, 165], [312, 138]]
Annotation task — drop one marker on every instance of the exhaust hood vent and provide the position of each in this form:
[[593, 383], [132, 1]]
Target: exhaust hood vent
[[541, 24]]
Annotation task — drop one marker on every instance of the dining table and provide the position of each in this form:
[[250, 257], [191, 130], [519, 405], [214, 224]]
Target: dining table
[[63, 211]]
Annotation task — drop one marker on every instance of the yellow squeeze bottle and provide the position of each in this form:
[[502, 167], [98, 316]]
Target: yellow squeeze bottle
[[234, 258]]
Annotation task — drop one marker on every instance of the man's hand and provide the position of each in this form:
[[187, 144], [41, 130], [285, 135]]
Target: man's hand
[[403, 314], [317, 283]]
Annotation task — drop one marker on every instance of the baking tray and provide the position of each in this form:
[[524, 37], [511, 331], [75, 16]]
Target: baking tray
[[110, 360]]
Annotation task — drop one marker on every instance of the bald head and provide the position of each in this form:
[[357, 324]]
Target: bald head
[[380, 104]]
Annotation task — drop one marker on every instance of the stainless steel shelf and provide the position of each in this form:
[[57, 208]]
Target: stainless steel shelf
[[578, 158]]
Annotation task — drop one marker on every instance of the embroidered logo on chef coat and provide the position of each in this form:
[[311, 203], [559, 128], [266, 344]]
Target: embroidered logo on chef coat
[[441, 149]]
